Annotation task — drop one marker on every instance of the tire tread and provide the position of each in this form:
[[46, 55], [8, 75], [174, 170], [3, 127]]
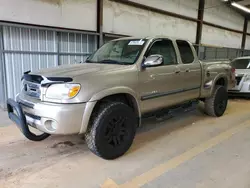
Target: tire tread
[[94, 125], [210, 102]]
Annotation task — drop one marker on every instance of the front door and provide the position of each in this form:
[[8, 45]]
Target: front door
[[160, 86]]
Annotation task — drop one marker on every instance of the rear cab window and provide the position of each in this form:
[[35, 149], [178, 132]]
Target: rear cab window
[[186, 52]]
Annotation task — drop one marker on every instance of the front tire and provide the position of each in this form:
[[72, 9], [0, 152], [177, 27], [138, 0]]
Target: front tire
[[216, 104], [112, 130]]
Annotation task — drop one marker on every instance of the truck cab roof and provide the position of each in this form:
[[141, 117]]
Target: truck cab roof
[[151, 37]]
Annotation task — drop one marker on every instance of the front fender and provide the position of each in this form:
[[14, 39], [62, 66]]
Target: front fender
[[112, 91], [102, 94], [118, 90]]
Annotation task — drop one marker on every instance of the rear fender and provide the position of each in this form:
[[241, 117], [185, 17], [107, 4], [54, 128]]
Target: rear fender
[[209, 85]]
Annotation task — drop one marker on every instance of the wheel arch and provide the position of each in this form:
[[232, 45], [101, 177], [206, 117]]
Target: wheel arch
[[209, 86], [220, 80], [123, 94]]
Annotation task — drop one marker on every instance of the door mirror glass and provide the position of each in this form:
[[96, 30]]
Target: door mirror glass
[[153, 60]]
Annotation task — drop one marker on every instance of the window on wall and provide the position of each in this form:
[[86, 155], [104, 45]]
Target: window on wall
[[166, 49], [186, 52]]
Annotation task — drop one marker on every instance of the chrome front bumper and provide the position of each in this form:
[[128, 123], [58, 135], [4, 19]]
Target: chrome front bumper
[[55, 118]]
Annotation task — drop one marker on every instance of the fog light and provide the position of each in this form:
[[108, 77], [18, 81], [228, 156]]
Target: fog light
[[50, 125]]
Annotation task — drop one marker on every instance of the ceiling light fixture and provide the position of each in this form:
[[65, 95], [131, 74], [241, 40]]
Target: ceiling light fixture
[[240, 7]]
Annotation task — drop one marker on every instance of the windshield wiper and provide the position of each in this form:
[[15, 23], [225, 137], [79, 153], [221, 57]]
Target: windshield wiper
[[88, 61], [110, 61]]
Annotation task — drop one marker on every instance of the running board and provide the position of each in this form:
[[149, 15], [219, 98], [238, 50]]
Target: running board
[[173, 111]]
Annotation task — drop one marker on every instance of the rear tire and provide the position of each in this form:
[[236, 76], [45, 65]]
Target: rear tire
[[112, 130], [216, 104]]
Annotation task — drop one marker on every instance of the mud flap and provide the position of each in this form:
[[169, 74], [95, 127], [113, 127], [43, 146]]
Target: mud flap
[[16, 114]]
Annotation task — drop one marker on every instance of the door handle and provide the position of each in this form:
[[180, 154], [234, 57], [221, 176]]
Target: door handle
[[187, 70]]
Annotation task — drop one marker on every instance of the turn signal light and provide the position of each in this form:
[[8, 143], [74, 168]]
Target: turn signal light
[[73, 91]]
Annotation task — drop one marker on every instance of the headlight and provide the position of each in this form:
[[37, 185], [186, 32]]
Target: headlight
[[247, 77], [62, 91]]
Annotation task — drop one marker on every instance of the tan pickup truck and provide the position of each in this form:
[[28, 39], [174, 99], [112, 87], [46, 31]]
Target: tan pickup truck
[[106, 97]]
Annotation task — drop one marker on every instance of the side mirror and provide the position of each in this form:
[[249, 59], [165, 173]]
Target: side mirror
[[153, 61]]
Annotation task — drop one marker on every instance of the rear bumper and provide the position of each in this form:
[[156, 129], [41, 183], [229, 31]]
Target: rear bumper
[[243, 88], [238, 94]]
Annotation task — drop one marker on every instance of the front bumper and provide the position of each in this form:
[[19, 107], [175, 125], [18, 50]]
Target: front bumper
[[49, 118]]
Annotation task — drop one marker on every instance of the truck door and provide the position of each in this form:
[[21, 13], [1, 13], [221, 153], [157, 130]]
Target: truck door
[[190, 68], [160, 85]]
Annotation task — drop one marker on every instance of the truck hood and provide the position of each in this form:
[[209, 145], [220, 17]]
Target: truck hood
[[74, 70]]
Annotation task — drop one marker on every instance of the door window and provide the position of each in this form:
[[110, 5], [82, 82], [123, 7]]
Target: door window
[[166, 49], [186, 52]]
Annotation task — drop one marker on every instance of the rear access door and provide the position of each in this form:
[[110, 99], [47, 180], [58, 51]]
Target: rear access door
[[191, 72]]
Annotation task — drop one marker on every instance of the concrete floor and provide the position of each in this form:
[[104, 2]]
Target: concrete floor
[[192, 150]]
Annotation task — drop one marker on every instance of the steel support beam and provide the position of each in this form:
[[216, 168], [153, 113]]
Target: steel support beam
[[222, 27], [153, 9], [243, 42], [49, 28], [99, 22], [3, 83], [43, 53], [200, 21]]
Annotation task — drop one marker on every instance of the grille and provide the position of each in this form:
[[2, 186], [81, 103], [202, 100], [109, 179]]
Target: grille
[[238, 79], [32, 89]]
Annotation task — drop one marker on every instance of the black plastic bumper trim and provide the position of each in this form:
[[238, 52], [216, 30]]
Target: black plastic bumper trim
[[238, 94], [33, 116], [29, 105]]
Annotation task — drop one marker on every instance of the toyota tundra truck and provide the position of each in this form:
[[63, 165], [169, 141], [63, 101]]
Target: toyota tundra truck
[[106, 97]]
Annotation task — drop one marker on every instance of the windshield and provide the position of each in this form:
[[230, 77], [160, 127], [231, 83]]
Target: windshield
[[124, 52], [241, 64]]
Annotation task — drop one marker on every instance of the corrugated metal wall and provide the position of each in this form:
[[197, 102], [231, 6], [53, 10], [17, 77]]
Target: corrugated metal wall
[[26, 49], [75, 47], [33, 49], [207, 53]]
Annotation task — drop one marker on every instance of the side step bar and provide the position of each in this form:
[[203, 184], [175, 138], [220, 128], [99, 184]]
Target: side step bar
[[172, 111]]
